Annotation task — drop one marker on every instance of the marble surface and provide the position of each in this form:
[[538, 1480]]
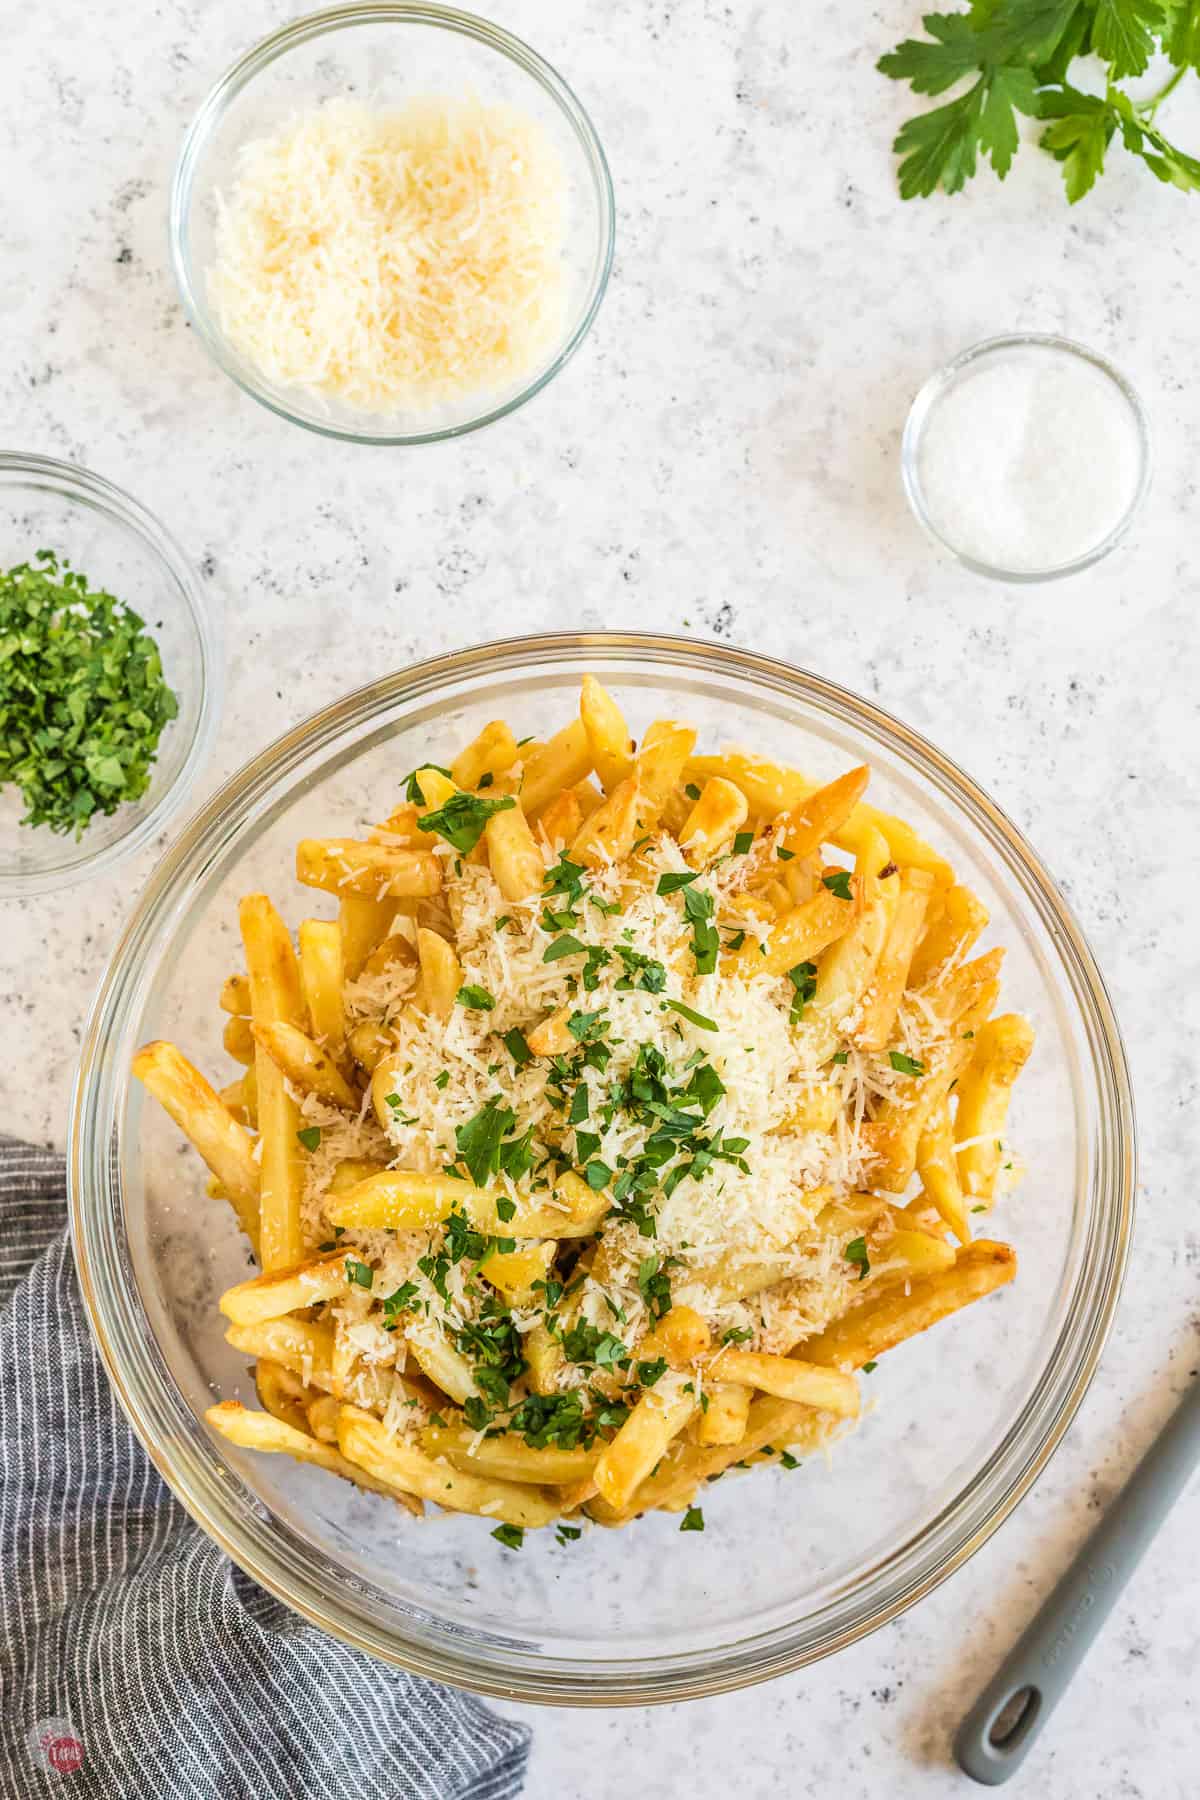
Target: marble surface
[[721, 460]]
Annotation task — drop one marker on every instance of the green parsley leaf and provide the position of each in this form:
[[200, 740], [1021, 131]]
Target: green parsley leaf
[[504, 920], [785, 855], [905, 1065], [698, 907], [397, 1302], [654, 1287], [462, 819], [83, 702], [511, 1536], [485, 780], [868, 1367], [841, 1057], [359, 1274], [442, 1078], [735, 940], [693, 1520], [671, 884], [788, 1461], [506, 1209], [693, 1018], [650, 1372], [691, 790], [803, 977], [310, 1137], [737, 1334], [476, 998], [516, 1044], [597, 1175], [479, 1140], [562, 946], [838, 884], [856, 1253], [742, 843], [579, 1106]]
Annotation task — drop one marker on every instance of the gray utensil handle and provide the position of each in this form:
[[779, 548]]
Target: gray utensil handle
[[998, 1732]]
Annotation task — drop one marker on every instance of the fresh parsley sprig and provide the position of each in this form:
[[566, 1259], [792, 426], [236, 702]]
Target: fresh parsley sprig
[[1015, 56]]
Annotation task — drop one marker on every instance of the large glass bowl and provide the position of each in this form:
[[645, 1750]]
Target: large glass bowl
[[385, 54], [791, 1565], [112, 539]]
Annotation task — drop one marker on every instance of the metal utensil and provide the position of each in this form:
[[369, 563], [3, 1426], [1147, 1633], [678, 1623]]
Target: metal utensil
[[1002, 1726]]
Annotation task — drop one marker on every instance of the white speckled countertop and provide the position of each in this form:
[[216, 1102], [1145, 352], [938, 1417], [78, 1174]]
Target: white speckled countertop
[[720, 459]]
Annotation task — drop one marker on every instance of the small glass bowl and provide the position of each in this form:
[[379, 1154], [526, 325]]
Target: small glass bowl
[[962, 368], [388, 52], [119, 546]]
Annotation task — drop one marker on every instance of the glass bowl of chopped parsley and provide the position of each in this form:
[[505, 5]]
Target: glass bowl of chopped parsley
[[109, 671]]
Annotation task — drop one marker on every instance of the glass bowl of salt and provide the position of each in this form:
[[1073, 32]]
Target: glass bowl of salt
[[1027, 457]]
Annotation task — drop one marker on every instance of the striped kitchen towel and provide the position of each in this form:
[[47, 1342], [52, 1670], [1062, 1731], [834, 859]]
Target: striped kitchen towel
[[135, 1660]]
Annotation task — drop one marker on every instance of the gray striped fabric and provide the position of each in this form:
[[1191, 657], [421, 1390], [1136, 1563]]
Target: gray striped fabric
[[135, 1660]]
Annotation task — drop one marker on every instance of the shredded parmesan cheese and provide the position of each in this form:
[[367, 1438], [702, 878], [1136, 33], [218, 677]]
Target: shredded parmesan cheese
[[394, 259]]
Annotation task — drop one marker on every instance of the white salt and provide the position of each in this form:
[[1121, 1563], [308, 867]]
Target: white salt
[[1029, 460]]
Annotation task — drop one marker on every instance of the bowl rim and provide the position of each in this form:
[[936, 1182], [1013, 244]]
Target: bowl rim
[[317, 24], [946, 1541], [83, 487], [939, 384]]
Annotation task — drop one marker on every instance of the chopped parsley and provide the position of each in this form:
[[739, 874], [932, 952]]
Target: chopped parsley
[[516, 1044], [650, 1372], [654, 1287], [462, 819], [803, 977], [691, 790], [742, 843], [735, 940], [477, 999], [310, 1137], [856, 1253], [400, 1301], [511, 1536], [567, 945], [412, 786], [671, 884], [486, 1147], [693, 1018], [905, 1065], [868, 1367], [737, 1334], [698, 908], [567, 1534], [359, 1274], [693, 1520], [838, 884], [841, 1057], [441, 1079]]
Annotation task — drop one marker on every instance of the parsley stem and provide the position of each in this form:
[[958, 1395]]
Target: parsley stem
[[1148, 108]]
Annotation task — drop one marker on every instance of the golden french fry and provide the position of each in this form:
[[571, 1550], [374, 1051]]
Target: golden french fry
[[816, 1110], [909, 1253], [386, 1079], [350, 1171], [551, 1037], [613, 829], [446, 1367], [493, 752], [405, 1200], [306, 1347], [846, 968], [395, 951], [516, 862], [562, 820], [399, 828], [199, 1113], [724, 1414], [1002, 1048], [305, 1065], [262, 1431], [363, 1440], [563, 761], [938, 1170], [789, 1379], [882, 1003], [284, 1291], [800, 935], [321, 1415], [275, 998], [283, 1394], [513, 1272], [323, 980], [235, 995], [363, 922], [435, 787], [713, 822], [506, 1457], [441, 974], [659, 1416], [607, 734], [368, 1043], [545, 1357], [680, 1336], [658, 768], [896, 1130], [949, 937], [241, 1097], [821, 814], [377, 871], [888, 1317], [238, 1041]]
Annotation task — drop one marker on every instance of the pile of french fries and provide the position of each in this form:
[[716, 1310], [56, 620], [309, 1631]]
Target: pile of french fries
[[887, 936]]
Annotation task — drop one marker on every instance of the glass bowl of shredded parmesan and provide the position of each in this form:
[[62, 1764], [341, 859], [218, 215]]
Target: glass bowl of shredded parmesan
[[392, 223], [767, 1568]]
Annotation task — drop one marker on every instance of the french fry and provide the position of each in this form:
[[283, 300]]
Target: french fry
[[395, 951], [445, 1366], [284, 1291], [950, 936], [321, 1415], [441, 974], [323, 981], [882, 1002], [846, 968], [513, 1272], [377, 871], [304, 1064], [405, 1200], [821, 814], [551, 1037], [283, 1394], [493, 752], [306, 1347], [908, 1254], [724, 1418], [516, 862], [507, 1457], [545, 1357], [368, 1043], [235, 995], [275, 998], [789, 1379], [363, 1441], [261, 1431], [658, 768], [241, 1097], [350, 1171], [398, 829], [386, 1079], [938, 1171], [560, 763], [1002, 1048], [681, 1336], [238, 1041], [816, 1110], [659, 1416], [607, 734], [889, 1317], [713, 822], [562, 820], [199, 1113], [611, 832], [800, 935], [895, 1132], [362, 922]]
